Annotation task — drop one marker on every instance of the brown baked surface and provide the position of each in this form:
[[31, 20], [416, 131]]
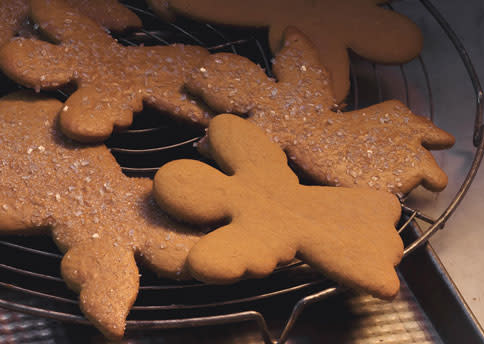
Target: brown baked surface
[[12, 14], [384, 146], [378, 34], [113, 81], [348, 234], [99, 217], [108, 13]]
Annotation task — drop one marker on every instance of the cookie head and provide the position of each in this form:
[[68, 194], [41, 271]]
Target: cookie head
[[348, 234]]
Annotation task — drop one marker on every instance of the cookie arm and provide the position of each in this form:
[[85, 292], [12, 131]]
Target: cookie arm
[[228, 83], [107, 280], [165, 90], [91, 116], [20, 58]]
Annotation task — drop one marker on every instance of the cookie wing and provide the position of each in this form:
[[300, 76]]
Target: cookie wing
[[266, 234], [109, 13], [60, 22], [297, 58], [58, 71], [107, 279], [239, 250]]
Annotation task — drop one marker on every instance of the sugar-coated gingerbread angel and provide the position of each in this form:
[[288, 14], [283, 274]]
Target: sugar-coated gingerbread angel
[[97, 216], [113, 81], [384, 146], [109, 13]]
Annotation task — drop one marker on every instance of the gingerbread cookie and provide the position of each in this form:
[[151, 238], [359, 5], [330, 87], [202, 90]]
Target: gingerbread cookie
[[383, 146], [348, 234], [113, 81], [334, 26], [99, 217]]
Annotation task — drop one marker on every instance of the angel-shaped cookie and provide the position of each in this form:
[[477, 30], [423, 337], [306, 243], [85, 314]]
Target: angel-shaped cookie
[[334, 26], [113, 81], [109, 13], [346, 233], [97, 216], [383, 146]]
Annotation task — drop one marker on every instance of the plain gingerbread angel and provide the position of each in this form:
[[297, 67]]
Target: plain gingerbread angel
[[348, 234]]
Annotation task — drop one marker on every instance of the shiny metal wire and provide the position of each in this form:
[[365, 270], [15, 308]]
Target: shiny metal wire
[[56, 302]]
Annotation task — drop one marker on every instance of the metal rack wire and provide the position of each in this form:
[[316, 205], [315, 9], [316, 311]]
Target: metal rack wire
[[164, 304]]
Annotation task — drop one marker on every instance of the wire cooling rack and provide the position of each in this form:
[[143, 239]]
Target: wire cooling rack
[[30, 266]]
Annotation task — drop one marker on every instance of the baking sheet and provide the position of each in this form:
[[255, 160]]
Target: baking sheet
[[349, 318]]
